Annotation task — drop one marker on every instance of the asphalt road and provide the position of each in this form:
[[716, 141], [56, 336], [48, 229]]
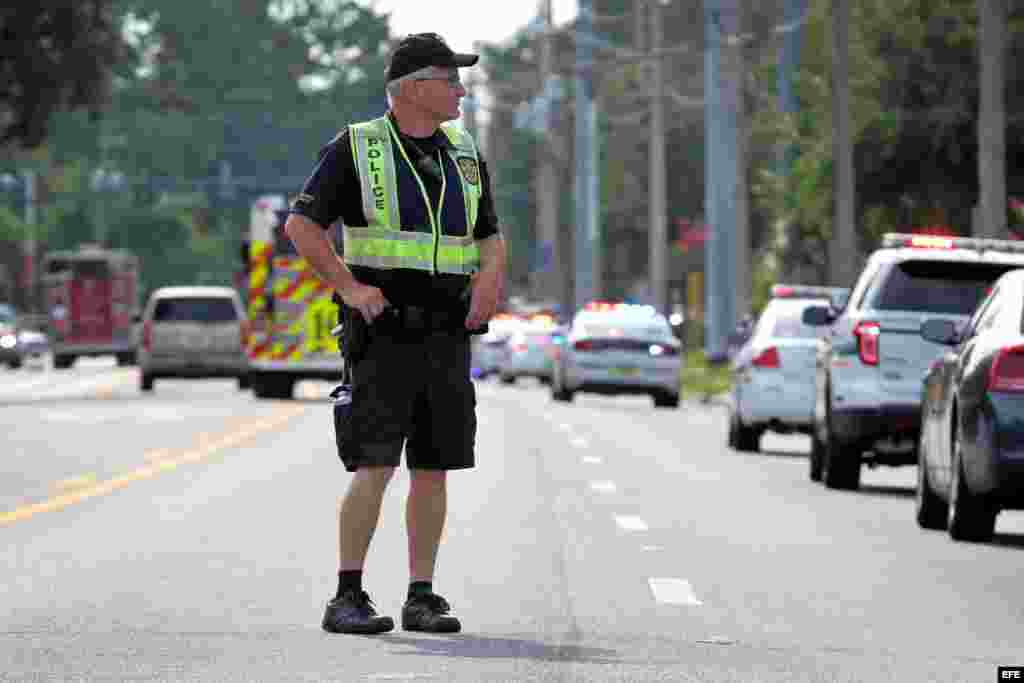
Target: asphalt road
[[189, 535]]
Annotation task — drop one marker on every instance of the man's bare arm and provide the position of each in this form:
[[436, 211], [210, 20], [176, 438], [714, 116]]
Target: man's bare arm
[[489, 283], [312, 244]]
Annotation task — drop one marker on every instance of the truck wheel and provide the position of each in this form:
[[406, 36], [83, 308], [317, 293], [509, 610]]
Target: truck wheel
[[63, 361], [841, 468], [932, 511], [273, 387], [817, 455], [127, 358], [244, 382], [971, 517], [507, 379], [146, 382]]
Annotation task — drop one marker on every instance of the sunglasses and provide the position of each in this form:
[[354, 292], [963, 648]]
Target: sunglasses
[[452, 80]]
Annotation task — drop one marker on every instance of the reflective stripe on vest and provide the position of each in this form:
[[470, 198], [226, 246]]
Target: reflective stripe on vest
[[384, 244]]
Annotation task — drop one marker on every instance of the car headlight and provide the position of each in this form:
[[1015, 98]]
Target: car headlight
[[8, 341]]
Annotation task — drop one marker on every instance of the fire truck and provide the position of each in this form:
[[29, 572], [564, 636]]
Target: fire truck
[[291, 314], [91, 296]]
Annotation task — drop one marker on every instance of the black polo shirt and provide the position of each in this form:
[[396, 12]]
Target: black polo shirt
[[333, 193]]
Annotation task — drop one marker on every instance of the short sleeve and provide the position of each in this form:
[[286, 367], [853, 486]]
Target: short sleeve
[[486, 219]]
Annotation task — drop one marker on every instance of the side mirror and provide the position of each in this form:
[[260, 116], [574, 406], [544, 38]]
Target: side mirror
[[816, 316], [940, 331]]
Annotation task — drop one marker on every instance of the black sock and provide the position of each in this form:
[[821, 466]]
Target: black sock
[[420, 588], [351, 580]]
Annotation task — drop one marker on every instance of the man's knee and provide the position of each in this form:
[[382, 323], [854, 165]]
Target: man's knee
[[376, 477], [428, 479]]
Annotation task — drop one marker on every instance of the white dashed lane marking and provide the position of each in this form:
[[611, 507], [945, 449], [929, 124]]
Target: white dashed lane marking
[[631, 523], [603, 486], [672, 591], [579, 442], [591, 460]]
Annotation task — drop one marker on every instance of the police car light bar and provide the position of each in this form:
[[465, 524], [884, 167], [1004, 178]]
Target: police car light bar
[[897, 239], [805, 291]]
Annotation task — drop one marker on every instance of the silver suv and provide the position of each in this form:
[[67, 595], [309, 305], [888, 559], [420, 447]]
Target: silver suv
[[193, 332], [870, 364]]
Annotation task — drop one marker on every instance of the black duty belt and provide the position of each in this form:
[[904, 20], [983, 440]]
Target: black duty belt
[[416, 319]]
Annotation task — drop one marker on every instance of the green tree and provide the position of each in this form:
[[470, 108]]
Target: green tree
[[57, 55]]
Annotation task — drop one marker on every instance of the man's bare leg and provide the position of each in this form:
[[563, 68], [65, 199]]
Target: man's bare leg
[[358, 515], [425, 511]]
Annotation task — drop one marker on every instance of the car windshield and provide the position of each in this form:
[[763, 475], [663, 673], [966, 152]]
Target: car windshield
[[783, 320], [937, 286], [195, 309]]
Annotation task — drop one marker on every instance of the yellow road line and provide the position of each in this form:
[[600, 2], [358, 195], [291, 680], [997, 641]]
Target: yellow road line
[[208, 447], [75, 482]]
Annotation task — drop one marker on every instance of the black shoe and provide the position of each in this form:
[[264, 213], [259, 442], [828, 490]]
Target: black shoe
[[353, 612], [429, 612]]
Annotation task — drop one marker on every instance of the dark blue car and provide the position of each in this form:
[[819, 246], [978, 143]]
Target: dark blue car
[[971, 449]]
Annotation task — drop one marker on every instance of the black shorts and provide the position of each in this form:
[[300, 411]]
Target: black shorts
[[415, 393]]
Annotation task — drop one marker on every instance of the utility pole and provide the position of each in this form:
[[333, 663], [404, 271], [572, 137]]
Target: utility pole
[[721, 22], [548, 276], [843, 253], [657, 205], [586, 156], [470, 104], [29, 179], [992, 120], [735, 67]]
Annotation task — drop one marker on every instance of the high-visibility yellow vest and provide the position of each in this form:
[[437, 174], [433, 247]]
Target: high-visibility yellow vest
[[385, 242]]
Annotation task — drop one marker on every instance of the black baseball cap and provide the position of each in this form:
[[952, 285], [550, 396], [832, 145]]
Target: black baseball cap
[[419, 50]]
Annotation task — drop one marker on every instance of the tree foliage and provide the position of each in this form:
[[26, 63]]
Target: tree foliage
[[210, 103], [56, 55], [914, 107]]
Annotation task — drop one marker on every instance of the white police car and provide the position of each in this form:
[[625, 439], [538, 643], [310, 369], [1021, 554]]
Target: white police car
[[773, 372], [617, 348]]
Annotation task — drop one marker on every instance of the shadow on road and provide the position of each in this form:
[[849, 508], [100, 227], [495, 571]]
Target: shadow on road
[[1008, 540], [482, 647], [888, 491]]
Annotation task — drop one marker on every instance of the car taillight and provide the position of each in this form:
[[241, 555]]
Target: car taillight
[[147, 335], [769, 358], [1007, 371], [867, 334], [583, 345]]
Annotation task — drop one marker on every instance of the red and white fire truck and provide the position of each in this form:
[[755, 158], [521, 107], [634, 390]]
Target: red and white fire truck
[[91, 296], [290, 311]]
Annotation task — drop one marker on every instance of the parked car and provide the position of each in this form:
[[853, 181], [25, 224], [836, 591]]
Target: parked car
[[528, 351], [11, 349], [617, 348], [193, 332], [773, 372], [489, 348], [971, 451], [870, 361]]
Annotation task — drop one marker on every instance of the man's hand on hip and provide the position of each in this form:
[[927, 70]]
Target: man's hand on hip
[[366, 299], [484, 302]]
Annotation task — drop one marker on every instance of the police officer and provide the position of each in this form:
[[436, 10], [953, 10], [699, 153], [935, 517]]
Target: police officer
[[424, 267]]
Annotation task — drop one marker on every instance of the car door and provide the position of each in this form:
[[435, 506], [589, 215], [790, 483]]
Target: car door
[[963, 388]]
